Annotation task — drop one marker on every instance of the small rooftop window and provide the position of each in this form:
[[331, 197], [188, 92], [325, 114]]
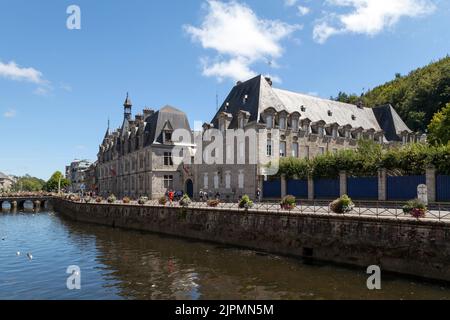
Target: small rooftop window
[[303, 108], [353, 117], [245, 99], [330, 113]]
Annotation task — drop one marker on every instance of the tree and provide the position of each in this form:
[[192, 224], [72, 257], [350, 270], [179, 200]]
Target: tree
[[53, 183], [29, 184], [439, 128]]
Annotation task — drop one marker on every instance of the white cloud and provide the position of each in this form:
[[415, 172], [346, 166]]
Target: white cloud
[[239, 38], [14, 72], [290, 3], [11, 113], [303, 11], [368, 16]]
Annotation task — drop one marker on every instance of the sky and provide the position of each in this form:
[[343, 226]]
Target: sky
[[59, 84]]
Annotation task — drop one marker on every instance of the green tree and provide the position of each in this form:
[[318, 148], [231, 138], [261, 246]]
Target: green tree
[[52, 184], [439, 128], [29, 184]]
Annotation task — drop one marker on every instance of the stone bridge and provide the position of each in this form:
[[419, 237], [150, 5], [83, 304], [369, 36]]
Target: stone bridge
[[18, 202]]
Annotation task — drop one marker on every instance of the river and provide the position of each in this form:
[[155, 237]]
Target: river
[[123, 264]]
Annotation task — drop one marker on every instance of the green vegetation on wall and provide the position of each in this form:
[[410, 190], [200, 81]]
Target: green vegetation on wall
[[412, 159]]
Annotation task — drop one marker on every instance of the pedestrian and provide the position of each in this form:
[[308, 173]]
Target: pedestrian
[[201, 195], [171, 196], [258, 194], [218, 195]]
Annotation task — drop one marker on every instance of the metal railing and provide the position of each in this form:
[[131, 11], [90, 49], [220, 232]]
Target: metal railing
[[371, 209]]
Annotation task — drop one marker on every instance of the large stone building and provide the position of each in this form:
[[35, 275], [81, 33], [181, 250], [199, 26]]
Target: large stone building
[[264, 124], [6, 182], [137, 159], [76, 172], [288, 124]]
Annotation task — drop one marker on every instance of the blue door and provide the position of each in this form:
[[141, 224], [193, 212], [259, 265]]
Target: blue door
[[272, 189], [404, 188], [297, 188], [363, 188], [443, 188], [327, 188]]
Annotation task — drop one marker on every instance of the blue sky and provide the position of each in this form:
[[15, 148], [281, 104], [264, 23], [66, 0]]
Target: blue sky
[[58, 87]]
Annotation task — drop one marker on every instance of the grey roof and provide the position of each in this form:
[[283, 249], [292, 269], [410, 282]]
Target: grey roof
[[165, 119], [261, 96], [4, 176]]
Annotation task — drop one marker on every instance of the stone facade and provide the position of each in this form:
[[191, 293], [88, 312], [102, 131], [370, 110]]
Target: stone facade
[[138, 160], [6, 182]]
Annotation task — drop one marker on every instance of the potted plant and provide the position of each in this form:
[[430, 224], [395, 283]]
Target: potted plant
[[342, 205], [415, 208], [245, 203], [143, 200], [288, 203], [162, 201], [126, 200], [213, 203], [185, 201], [98, 199], [112, 199]]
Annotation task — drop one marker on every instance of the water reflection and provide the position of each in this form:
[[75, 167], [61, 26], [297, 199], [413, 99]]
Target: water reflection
[[120, 264]]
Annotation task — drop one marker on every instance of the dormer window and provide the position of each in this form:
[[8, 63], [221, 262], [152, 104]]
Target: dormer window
[[282, 123], [241, 123], [269, 121], [302, 108], [330, 114], [168, 137], [321, 131], [245, 99], [294, 125], [334, 133], [353, 117], [306, 128]]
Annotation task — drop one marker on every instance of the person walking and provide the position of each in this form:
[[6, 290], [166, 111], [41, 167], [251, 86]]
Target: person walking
[[201, 194], [258, 194], [171, 196]]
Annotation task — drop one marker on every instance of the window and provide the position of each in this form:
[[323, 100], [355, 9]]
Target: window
[[168, 182], [205, 181], [295, 150], [269, 121], [168, 161], [321, 131], [306, 127], [216, 181], [167, 137], [335, 133], [269, 148], [307, 152], [282, 149], [241, 179], [321, 150], [228, 180], [241, 123], [141, 161], [283, 123], [294, 125]]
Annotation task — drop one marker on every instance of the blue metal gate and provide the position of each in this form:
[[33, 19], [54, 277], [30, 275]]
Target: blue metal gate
[[297, 188], [363, 188], [272, 189], [443, 188], [327, 188], [404, 188]]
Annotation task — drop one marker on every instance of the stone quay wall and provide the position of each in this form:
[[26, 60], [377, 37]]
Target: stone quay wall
[[409, 247]]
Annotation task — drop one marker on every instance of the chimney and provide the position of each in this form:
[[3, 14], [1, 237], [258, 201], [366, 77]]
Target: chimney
[[269, 81], [139, 118], [148, 113]]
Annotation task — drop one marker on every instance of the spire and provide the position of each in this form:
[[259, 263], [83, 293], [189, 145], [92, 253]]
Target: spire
[[127, 108]]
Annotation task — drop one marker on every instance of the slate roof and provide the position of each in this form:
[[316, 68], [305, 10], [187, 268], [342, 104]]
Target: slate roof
[[165, 119], [261, 96]]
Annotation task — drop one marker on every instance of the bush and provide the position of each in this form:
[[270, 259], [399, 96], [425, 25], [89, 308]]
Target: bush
[[245, 203], [415, 208], [126, 200], [288, 203], [143, 200], [112, 199], [342, 205], [185, 201], [213, 203]]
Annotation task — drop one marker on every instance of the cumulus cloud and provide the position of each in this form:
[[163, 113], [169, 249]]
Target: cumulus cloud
[[13, 71], [368, 16], [239, 38]]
